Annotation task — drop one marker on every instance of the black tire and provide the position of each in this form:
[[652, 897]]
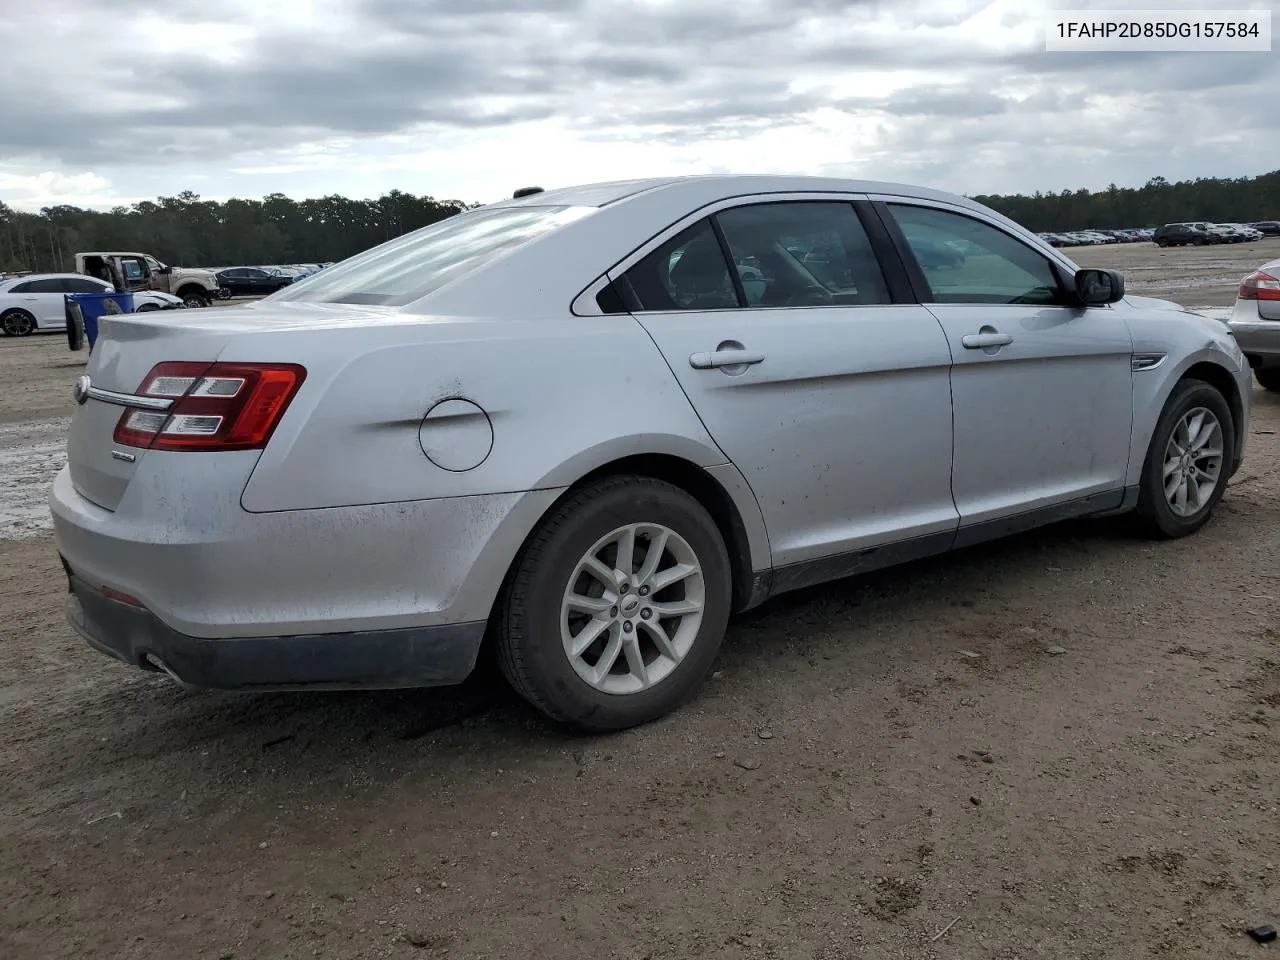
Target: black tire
[[530, 651], [1153, 513], [1162, 242], [146, 308], [1268, 378], [17, 323], [1198, 241], [193, 297]]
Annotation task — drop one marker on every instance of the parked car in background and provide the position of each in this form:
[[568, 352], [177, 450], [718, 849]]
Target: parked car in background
[[1255, 322], [1249, 232], [35, 303], [1270, 228], [1233, 232], [354, 481], [252, 281], [1181, 234]]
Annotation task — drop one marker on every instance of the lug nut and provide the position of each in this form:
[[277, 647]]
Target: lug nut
[[626, 626], [644, 591], [646, 613], [613, 611]]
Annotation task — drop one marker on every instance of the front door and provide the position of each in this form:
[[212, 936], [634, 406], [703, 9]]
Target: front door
[[833, 401], [1042, 388], [137, 276]]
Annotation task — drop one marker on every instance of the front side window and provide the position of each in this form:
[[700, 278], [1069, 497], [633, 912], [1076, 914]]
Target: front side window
[[132, 269], [967, 261], [803, 253], [408, 268]]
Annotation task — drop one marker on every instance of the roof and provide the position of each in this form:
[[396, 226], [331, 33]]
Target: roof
[[711, 187]]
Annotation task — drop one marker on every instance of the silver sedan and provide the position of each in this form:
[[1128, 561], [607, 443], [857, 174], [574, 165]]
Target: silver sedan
[[1255, 321], [586, 426]]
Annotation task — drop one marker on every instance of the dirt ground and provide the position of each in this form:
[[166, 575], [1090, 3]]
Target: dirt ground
[[1061, 746]]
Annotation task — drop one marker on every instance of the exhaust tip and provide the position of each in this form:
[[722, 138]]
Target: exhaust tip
[[155, 663]]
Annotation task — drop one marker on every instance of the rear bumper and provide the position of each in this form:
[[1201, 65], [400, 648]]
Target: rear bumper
[[1259, 340], [208, 569], [412, 657]]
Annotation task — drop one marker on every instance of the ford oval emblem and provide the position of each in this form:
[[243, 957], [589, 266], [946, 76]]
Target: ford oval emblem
[[81, 390]]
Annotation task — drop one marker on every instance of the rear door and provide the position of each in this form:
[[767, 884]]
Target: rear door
[[1042, 387], [43, 300], [814, 374]]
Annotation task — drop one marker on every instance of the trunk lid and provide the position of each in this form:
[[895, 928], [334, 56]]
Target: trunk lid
[[130, 345]]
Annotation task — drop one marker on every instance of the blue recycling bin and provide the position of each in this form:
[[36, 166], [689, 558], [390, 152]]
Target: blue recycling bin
[[84, 310]]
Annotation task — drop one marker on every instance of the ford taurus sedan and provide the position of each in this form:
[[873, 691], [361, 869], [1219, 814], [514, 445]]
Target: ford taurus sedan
[[564, 427]]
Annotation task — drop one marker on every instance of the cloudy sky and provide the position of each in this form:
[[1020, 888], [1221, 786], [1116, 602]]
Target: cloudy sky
[[110, 101]]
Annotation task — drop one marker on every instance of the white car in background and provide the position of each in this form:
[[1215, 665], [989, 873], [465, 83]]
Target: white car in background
[[35, 303]]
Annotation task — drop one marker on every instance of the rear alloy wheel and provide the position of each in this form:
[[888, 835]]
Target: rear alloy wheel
[[1186, 470], [1268, 378], [617, 606], [17, 323]]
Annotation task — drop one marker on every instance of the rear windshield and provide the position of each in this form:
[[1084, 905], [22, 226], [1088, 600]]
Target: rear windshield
[[409, 267]]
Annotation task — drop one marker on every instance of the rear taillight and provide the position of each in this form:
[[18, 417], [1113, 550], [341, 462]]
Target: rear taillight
[[216, 406], [1259, 286]]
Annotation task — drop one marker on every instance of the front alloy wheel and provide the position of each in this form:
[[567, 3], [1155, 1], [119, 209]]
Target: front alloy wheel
[[1188, 462], [1193, 462], [18, 323]]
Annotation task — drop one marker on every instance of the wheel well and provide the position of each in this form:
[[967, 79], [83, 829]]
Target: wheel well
[[1222, 379], [187, 289], [704, 488]]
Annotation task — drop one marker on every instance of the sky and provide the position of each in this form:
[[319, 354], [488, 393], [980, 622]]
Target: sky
[[107, 102]]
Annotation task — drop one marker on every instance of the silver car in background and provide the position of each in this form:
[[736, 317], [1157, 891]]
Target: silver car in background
[[588, 425], [1255, 321]]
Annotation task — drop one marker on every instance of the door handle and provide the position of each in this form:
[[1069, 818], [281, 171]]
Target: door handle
[[33, 299], [979, 341], [725, 358]]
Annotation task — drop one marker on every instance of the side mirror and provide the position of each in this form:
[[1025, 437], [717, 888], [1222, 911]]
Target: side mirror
[[166, 269], [1096, 288]]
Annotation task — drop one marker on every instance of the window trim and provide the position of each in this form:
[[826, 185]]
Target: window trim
[[1063, 269], [859, 202]]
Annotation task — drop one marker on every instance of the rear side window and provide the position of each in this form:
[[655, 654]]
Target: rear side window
[[52, 285], [688, 272], [409, 267], [803, 254]]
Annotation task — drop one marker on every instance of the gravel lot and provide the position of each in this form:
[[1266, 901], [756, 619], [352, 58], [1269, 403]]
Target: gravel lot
[[1063, 746]]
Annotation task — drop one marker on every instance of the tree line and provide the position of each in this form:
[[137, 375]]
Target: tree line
[[187, 231]]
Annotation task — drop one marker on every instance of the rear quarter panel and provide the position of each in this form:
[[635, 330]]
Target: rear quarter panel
[[562, 397]]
